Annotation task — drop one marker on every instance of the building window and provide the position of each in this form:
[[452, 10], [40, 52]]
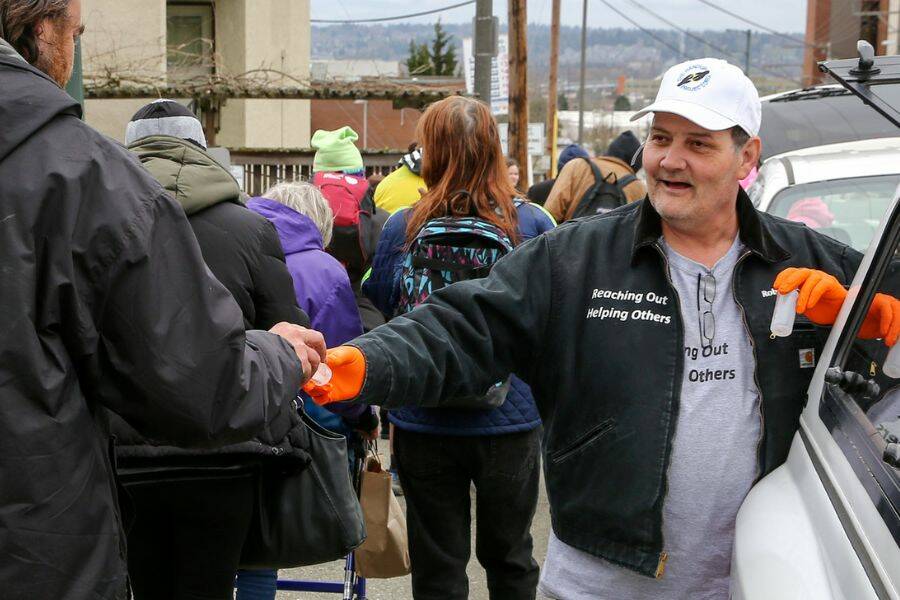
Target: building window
[[190, 41]]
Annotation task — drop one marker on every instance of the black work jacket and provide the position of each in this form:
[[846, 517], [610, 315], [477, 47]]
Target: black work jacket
[[607, 389], [105, 303]]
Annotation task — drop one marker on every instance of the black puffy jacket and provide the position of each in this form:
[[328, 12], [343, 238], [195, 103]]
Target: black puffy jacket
[[241, 247], [105, 303], [243, 251]]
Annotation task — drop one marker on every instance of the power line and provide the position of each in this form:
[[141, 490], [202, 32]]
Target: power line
[[758, 25], [646, 31], [715, 47], [395, 18], [684, 31]]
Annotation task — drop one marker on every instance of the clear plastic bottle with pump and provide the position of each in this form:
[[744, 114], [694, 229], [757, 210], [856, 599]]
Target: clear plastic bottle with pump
[[891, 366]]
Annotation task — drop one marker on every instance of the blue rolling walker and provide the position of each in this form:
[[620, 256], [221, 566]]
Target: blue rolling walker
[[353, 587]]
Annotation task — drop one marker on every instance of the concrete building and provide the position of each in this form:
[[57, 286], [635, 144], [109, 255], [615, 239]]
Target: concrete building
[[151, 42], [834, 26]]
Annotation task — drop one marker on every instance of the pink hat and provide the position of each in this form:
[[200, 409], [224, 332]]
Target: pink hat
[[811, 211]]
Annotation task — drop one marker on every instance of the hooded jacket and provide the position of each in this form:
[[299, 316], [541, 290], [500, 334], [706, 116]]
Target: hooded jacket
[[243, 252], [106, 304], [607, 389], [241, 248], [323, 291], [321, 284]]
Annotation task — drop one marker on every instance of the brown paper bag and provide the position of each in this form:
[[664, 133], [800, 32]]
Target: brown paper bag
[[385, 553]]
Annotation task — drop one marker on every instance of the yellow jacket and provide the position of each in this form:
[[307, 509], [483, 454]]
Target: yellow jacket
[[398, 190]]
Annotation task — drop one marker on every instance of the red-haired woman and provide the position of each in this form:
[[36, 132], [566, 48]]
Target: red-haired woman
[[442, 452]]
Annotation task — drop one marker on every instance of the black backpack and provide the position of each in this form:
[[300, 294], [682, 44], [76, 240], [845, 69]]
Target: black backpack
[[606, 194]]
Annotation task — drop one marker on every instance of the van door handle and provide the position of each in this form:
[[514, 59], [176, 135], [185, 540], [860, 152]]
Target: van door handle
[[852, 383]]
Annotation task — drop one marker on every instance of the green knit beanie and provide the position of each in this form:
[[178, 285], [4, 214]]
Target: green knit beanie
[[335, 151]]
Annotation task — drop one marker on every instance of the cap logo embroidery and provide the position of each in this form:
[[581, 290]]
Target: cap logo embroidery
[[695, 78]]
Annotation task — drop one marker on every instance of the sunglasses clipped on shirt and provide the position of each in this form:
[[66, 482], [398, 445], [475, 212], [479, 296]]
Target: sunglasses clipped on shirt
[[706, 292]]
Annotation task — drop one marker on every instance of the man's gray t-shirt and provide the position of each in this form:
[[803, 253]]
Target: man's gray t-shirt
[[713, 462]]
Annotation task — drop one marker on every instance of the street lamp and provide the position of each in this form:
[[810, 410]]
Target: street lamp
[[365, 104]]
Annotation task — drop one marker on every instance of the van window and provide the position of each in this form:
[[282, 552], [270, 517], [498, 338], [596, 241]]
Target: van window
[[861, 401], [849, 210]]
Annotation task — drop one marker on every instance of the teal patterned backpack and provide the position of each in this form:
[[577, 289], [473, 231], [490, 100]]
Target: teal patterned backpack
[[447, 250]]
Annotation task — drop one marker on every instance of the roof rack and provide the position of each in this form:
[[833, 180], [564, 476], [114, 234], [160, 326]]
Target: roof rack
[[859, 74], [810, 93]]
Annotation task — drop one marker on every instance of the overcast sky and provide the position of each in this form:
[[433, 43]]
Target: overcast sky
[[782, 15]]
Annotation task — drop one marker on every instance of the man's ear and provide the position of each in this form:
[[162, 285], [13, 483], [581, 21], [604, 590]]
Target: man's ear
[[749, 156]]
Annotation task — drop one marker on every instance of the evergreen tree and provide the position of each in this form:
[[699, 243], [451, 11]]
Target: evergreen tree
[[418, 62], [443, 53], [562, 102], [622, 103]]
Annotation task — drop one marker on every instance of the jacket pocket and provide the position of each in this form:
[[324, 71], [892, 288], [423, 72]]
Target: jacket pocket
[[583, 441]]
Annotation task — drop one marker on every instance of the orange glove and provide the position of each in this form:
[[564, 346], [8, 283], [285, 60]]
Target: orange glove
[[821, 294], [882, 320], [348, 368]]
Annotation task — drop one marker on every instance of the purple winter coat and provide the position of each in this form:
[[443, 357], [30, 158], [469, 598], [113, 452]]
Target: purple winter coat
[[320, 283]]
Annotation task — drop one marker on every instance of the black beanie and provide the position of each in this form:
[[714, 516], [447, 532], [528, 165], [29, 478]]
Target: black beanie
[[165, 117], [625, 147]]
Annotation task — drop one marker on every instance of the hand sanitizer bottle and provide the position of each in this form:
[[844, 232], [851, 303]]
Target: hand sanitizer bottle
[[322, 375], [784, 314], [891, 365]]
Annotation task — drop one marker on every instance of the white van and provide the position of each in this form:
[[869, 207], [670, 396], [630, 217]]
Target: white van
[[826, 524]]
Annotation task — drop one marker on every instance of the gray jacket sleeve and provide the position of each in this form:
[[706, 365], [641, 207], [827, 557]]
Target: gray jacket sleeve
[[172, 357], [464, 337]]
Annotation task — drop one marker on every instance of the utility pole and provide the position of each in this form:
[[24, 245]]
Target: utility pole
[[518, 86], [552, 92], [583, 67], [485, 48], [747, 55]]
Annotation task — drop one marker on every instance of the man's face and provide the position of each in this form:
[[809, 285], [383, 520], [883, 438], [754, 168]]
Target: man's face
[[56, 43], [693, 173]]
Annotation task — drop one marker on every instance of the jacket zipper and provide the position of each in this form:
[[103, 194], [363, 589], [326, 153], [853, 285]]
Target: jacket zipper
[[759, 408], [661, 566], [663, 555]]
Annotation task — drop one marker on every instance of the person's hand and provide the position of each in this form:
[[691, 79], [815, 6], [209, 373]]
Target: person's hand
[[882, 320], [821, 294], [348, 373], [307, 343]]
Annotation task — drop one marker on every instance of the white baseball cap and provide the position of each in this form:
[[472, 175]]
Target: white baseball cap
[[710, 92]]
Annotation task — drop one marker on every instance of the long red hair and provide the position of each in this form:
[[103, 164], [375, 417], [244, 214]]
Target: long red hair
[[463, 167]]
